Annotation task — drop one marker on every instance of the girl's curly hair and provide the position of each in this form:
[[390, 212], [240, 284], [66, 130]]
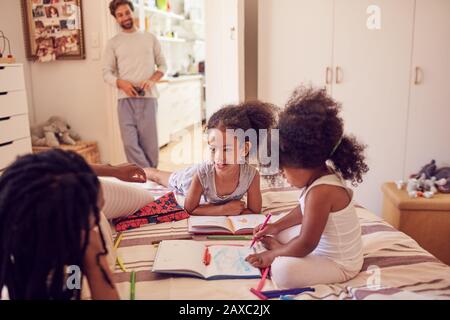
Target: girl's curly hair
[[311, 132], [251, 115]]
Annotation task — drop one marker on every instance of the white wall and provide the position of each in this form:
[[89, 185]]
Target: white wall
[[11, 25], [75, 89]]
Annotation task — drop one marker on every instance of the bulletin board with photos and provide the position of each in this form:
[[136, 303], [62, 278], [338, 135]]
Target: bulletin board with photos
[[53, 29]]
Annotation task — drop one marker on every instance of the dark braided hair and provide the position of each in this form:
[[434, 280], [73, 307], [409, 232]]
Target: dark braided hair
[[47, 202], [312, 132], [254, 115]]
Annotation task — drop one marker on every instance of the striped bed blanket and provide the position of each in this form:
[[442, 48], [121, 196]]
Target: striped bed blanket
[[395, 266]]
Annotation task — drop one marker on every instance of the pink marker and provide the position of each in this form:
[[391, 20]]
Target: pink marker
[[263, 279], [258, 294], [262, 228]]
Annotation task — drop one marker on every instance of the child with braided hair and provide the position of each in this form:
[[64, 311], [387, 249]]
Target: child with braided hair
[[49, 220]]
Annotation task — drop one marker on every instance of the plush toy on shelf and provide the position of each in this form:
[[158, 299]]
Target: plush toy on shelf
[[428, 181], [53, 133]]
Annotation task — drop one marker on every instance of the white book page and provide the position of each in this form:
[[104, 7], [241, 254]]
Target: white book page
[[180, 256], [230, 261], [197, 222], [249, 221]]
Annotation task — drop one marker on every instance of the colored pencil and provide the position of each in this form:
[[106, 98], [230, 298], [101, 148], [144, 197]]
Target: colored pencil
[[262, 228], [133, 285], [263, 279], [206, 257], [289, 292], [121, 264], [118, 240], [287, 298], [229, 237], [258, 294]]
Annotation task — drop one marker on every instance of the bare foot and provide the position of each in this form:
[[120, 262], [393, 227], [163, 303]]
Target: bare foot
[[158, 176], [151, 174], [270, 243]]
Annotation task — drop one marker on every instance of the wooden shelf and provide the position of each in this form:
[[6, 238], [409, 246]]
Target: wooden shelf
[[167, 39], [164, 13], [200, 22]]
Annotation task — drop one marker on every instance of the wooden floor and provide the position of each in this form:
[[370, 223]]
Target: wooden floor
[[169, 156]]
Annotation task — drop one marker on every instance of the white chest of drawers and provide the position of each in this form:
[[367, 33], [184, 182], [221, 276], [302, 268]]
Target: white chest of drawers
[[14, 124]]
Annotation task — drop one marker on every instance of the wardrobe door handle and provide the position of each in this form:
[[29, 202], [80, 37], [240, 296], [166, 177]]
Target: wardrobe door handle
[[417, 79], [338, 75], [6, 144], [329, 76], [233, 33]]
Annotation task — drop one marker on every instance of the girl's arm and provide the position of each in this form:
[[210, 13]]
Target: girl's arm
[[125, 172], [293, 218], [192, 203], [254, 198], [100, 288], [319, 206]]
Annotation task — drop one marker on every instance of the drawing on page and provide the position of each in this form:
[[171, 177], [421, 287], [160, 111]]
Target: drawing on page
[[229, 259]]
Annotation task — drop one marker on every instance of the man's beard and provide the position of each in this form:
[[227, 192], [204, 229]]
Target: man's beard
[[127, 25]]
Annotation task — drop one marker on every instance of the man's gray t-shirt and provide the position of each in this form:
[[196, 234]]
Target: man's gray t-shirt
[[133, 57]]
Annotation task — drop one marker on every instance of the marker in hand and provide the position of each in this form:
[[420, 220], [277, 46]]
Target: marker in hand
[[262, 228]]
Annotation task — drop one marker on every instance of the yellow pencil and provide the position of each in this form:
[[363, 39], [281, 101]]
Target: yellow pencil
[[118, 239], [121, 265]]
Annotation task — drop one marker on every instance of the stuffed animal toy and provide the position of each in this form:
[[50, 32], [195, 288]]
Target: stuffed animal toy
[[428, 181], [53, 133]]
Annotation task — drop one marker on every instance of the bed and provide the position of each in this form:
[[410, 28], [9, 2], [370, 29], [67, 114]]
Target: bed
[[395, 266]]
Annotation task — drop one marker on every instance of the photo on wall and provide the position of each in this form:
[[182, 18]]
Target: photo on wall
[[53, 30]]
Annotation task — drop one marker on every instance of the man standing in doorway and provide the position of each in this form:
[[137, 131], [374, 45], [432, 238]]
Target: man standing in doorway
[[134, 63]]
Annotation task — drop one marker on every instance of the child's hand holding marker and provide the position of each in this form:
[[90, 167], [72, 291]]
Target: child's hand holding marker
[[269, 230], [264, 259]]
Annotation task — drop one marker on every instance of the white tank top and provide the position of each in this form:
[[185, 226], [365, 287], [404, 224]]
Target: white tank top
[[341, 239]]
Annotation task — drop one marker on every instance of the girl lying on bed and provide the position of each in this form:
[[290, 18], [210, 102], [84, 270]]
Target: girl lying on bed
[[49, 220], [319, 242], [223, 181]]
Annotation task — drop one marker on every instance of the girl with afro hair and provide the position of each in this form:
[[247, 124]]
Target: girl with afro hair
[[318, 242]]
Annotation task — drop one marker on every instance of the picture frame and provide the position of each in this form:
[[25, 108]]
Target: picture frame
[[53, 30]]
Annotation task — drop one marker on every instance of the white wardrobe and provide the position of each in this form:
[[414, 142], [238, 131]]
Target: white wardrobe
[[387, 62]]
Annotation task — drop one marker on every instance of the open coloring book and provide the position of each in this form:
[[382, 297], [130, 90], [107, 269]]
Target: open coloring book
[[239, 225], [187, 257], [220, 225]]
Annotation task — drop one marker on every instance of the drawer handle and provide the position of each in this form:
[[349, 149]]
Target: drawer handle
[[4, 119], [2, 68], [3, 93], [6, 144]]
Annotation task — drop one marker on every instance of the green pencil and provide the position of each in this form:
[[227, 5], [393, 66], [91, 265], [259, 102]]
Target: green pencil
[[133, 286], [229, 237]]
